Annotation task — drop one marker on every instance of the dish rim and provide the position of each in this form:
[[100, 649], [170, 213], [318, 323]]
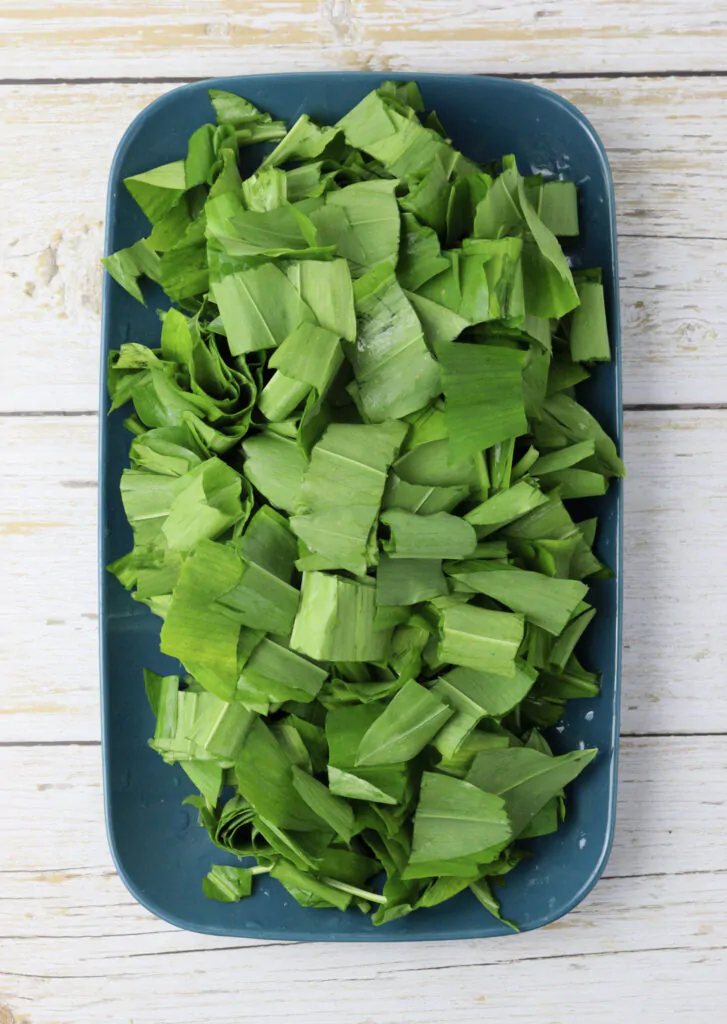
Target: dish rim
[[237, 83]]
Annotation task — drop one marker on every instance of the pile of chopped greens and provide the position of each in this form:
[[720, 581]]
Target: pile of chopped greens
[[350, 456]]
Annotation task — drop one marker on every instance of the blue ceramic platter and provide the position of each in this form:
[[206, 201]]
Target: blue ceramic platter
[[159, 851]]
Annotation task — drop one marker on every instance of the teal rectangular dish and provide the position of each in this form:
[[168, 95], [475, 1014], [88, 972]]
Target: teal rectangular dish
[[160, 853]]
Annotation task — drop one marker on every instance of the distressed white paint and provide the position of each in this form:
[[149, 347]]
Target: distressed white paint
[[83, 950], [69, 38], [675, 649], [665, 142]]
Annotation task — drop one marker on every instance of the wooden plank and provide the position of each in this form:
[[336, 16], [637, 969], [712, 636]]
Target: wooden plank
[[212, 37], [82, 941], [680, 986], [674, 637], [664, 138]]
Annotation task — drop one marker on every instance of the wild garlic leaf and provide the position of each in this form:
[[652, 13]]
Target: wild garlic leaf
[[414, 716], [455, 819], [525, 779], [480, 638], [483, 393]]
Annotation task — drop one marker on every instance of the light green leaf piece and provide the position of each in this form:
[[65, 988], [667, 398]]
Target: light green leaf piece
[[327, 289], [535, 380], [486, 694], [549, 534], [379, 784], [277, 232], [506, 507], [336, 538], [453, 821], [563, 458], [395, 371], [484, 281], [392, 133], [200, 157], [267, 190], [126, 266], [500, 462], [280, 397], [273, 674], [439, 535], [341, 493], [158, 190], [525, 779], [162, 693], [498, 213], [227, 175], [259, 308], [485, 896], [588, 334], [305, 141], [220, 728], [467, 192], [407, 581], [207, 777], [420, 254], [337, 814], [336, 621], [491, 280], [565, 422], [428, 465], [310, 354], [559, 208], [261, 600], [483, 390], [307, 890], [264, 775], [523, 465], [227, 884], [276, 466], [421, 498], [236, 111], [438, 322], [548, 603], [207, 504], [549, 287], [371, 216], [577, 483], [268, 542], [440, 890], [408, 723], [197, 630], [184, 271], [564, 646], [480, 638], [507, 210], [428, 195]]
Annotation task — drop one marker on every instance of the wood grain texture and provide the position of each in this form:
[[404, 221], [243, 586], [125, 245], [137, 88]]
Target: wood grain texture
[[82, 950], [664, 137], [675, 645], [71, 38]]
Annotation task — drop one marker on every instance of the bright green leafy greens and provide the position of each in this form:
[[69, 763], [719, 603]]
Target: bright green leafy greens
[[349, 458]]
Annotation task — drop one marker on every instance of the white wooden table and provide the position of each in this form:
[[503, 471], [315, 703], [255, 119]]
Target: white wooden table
[[650, 943]]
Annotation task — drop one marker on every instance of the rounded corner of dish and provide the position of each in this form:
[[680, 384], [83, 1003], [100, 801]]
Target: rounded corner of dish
[[140, 895], [587, 885]]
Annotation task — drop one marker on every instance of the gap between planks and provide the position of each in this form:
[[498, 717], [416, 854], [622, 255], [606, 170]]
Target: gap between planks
[[512, 76]]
